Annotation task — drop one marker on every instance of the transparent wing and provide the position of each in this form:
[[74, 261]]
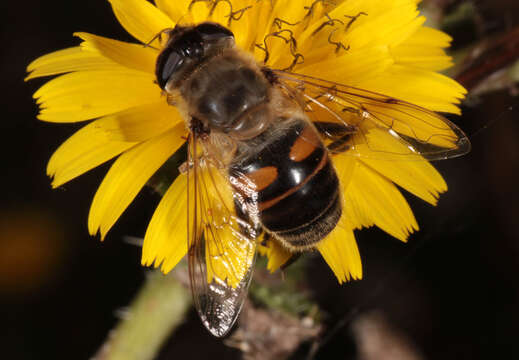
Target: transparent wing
[[375, 125], [221, 244]]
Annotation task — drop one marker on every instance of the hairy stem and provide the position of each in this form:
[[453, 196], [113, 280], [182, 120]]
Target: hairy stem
[[158, 309]]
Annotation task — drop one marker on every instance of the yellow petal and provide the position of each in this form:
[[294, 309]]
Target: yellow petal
[[371, 199], [128, 175], [390, 27], [67, 60], [86, 149], [141, 19], [176, 10], [86, 95], [418, 177], [425, 88], [277, 255], [133, 56], [165, 241], [352, 67], [339, 250], [373, 8], [428, 58], [345, 167], [426, 36], [140, 123]]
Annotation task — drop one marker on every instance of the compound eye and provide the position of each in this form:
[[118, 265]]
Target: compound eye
[[167, 63], [213, 31]]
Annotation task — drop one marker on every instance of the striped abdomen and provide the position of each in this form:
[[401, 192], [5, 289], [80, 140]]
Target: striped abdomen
[[296, 185]]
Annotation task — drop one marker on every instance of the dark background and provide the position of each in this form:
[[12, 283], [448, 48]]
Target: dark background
[[453, 290]]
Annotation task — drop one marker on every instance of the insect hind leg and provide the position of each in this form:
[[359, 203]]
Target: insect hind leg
[[334, 130], [340, 134]]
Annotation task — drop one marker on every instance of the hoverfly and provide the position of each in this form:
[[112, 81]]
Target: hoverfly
[[260, 149]]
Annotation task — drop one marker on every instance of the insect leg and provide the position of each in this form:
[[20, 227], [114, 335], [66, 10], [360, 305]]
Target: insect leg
[[333, 130]]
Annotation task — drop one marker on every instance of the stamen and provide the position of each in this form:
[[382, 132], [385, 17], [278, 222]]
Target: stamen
[[311, 9], [233, 15], [298, 58], [330, 22], [295, 62], [279, 23], [193, 2], [158, 36], [352, 19], [215, 3], [265, 49], [339, 45], [238, 14]]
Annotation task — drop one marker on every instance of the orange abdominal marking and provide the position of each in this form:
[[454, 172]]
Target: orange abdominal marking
[[263, 177], [267, 204], [304, 145]]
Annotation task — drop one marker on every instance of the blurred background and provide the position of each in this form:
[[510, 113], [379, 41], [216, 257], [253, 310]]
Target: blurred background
[[451, 293]]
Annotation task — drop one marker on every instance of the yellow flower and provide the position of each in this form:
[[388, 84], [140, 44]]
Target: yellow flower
[[380, 46]]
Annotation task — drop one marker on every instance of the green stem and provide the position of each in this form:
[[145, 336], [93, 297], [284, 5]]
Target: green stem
[[158, 309]]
